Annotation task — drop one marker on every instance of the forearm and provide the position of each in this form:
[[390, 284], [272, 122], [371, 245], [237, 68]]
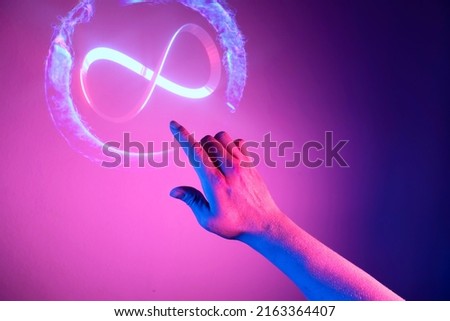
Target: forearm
[[318, 271], [238, 205]]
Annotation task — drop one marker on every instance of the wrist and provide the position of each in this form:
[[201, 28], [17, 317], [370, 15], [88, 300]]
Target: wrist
[[267, 226]]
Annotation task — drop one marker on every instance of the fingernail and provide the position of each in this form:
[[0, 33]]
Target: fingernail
[[176, 193], [174, 126]]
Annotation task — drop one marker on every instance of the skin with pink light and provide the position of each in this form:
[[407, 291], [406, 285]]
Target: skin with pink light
[[236, 204]]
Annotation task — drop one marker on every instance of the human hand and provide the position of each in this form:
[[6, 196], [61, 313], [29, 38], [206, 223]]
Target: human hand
[[237, 205], [236, 200]]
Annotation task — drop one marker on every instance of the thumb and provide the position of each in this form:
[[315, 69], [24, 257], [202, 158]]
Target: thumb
[[192, 197]]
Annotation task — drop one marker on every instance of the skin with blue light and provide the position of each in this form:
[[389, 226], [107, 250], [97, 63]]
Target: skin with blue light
[[236, 204]]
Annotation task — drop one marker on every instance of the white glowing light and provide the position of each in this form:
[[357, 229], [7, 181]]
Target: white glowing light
[[154, 77], [60, 67]]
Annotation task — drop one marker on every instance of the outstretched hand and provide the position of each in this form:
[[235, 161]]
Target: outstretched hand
[[235, 200], [237, 205]]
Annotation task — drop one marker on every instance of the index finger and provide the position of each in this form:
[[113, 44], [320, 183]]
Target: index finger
[[197, 156]]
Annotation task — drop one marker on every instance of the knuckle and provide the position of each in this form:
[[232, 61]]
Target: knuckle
[[206, 139], [221, 134]]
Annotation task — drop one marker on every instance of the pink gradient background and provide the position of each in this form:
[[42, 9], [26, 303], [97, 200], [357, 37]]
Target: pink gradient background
[[72, 230]]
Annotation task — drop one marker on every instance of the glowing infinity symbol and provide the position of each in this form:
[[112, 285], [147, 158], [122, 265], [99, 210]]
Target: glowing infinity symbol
[[154, 77], [60, 64]]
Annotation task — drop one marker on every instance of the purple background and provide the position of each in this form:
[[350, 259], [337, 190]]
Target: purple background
[[376, 73]]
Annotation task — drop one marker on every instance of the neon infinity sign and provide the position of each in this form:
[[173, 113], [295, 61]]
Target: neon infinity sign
[[60, 61]]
